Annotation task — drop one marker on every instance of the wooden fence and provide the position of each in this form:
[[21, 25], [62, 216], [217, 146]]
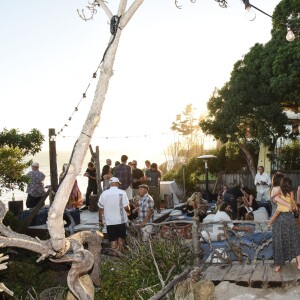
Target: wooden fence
[[244, 178]]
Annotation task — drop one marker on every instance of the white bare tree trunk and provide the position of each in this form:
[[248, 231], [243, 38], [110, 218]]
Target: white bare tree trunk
[[55, 216]]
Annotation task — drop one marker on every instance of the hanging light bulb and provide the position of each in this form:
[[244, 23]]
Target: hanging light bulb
[[290, 36], [250, 13]]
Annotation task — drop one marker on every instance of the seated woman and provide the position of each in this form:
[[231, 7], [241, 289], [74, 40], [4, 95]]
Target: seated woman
[[134, 209], [191, 206], [249, 203]]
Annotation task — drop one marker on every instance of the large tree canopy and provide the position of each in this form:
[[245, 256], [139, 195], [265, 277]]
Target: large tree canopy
[[250, 105]]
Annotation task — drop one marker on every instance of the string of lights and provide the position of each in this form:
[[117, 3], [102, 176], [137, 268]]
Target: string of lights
[[292, 31], [123, 137], [114, 26]]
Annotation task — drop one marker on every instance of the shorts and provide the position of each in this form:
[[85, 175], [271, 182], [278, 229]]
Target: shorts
[[32, 202], [116, 231]]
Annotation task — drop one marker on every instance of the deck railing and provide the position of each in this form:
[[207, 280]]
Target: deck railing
[[232, 245]]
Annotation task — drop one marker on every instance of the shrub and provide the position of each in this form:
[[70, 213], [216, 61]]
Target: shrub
[[134, 275]]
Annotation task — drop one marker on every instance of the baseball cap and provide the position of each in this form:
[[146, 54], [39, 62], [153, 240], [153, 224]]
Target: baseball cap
[[144, 186], [35, 164], [114, 179]]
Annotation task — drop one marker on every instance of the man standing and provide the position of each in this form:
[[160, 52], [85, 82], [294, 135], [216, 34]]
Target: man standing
[[92, 183], [153, 177], [35, 188], [123, 172], [137, 178], [114, 205], [263, 182], [146, 211], [113, 169]]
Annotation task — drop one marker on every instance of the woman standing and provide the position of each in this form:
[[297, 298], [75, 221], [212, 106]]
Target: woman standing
[[106, 175], [285, 233], [75, 198]]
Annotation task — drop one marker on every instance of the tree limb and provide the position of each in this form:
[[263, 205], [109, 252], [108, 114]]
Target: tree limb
[[170, 285], [130, 12], [105, 8], [4, 289], [156, 266]]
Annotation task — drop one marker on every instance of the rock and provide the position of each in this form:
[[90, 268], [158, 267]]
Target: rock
[[189, 290]]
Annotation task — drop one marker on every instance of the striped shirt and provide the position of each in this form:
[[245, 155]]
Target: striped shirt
[[146, 203]]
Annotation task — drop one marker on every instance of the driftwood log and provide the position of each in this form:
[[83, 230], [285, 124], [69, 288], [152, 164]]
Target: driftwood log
[[82, 260], [171, 284]]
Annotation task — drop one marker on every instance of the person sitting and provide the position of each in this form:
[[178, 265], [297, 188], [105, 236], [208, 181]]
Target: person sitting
[[221, 193], [249, 203], [223, 215], [134, 209], [191, 206]]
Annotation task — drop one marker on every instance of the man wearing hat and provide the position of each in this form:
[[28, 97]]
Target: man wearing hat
[[146, 209], [35, 187], [114, 205]]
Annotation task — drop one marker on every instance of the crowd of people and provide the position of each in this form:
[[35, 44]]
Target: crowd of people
[[130, 193], [274, 203]]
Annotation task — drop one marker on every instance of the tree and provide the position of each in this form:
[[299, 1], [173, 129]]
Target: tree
[[14, 146], [58, 248], [189, 145], [288, 157], [250, 106], [28, 143]]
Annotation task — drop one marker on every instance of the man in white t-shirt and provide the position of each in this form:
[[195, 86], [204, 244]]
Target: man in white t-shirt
[[223, 215], [262, 182], [114, 205]]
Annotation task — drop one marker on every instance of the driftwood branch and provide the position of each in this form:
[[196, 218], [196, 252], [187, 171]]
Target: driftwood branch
[[170, 285], [93, 240], [130, 12], [105, 8], [156, 266], [4, 289]]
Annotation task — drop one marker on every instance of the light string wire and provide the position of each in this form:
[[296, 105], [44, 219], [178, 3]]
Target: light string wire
[[123, 137], [114, 26], [248, 4]]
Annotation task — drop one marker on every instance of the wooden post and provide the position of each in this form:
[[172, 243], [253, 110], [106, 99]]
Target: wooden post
[[195, 232], [96, 160], [53, 163]]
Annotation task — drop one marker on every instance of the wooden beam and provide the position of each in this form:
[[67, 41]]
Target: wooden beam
[[53, 163]]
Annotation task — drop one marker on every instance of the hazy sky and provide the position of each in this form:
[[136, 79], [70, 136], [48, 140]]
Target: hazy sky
[[167, 58]]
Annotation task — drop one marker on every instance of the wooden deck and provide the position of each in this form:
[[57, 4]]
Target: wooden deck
[[258, 275]]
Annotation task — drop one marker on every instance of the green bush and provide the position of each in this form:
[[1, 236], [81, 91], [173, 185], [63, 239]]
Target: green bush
[[134, 276]]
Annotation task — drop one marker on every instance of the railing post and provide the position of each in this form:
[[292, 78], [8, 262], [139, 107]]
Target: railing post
[[195, 231], [53, 163]]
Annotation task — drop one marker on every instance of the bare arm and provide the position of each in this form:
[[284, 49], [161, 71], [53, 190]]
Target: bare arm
[[238, 228], [148, 216], [278, 199], [127, 208]]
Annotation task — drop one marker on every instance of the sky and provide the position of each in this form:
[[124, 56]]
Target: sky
[[167, 58]]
